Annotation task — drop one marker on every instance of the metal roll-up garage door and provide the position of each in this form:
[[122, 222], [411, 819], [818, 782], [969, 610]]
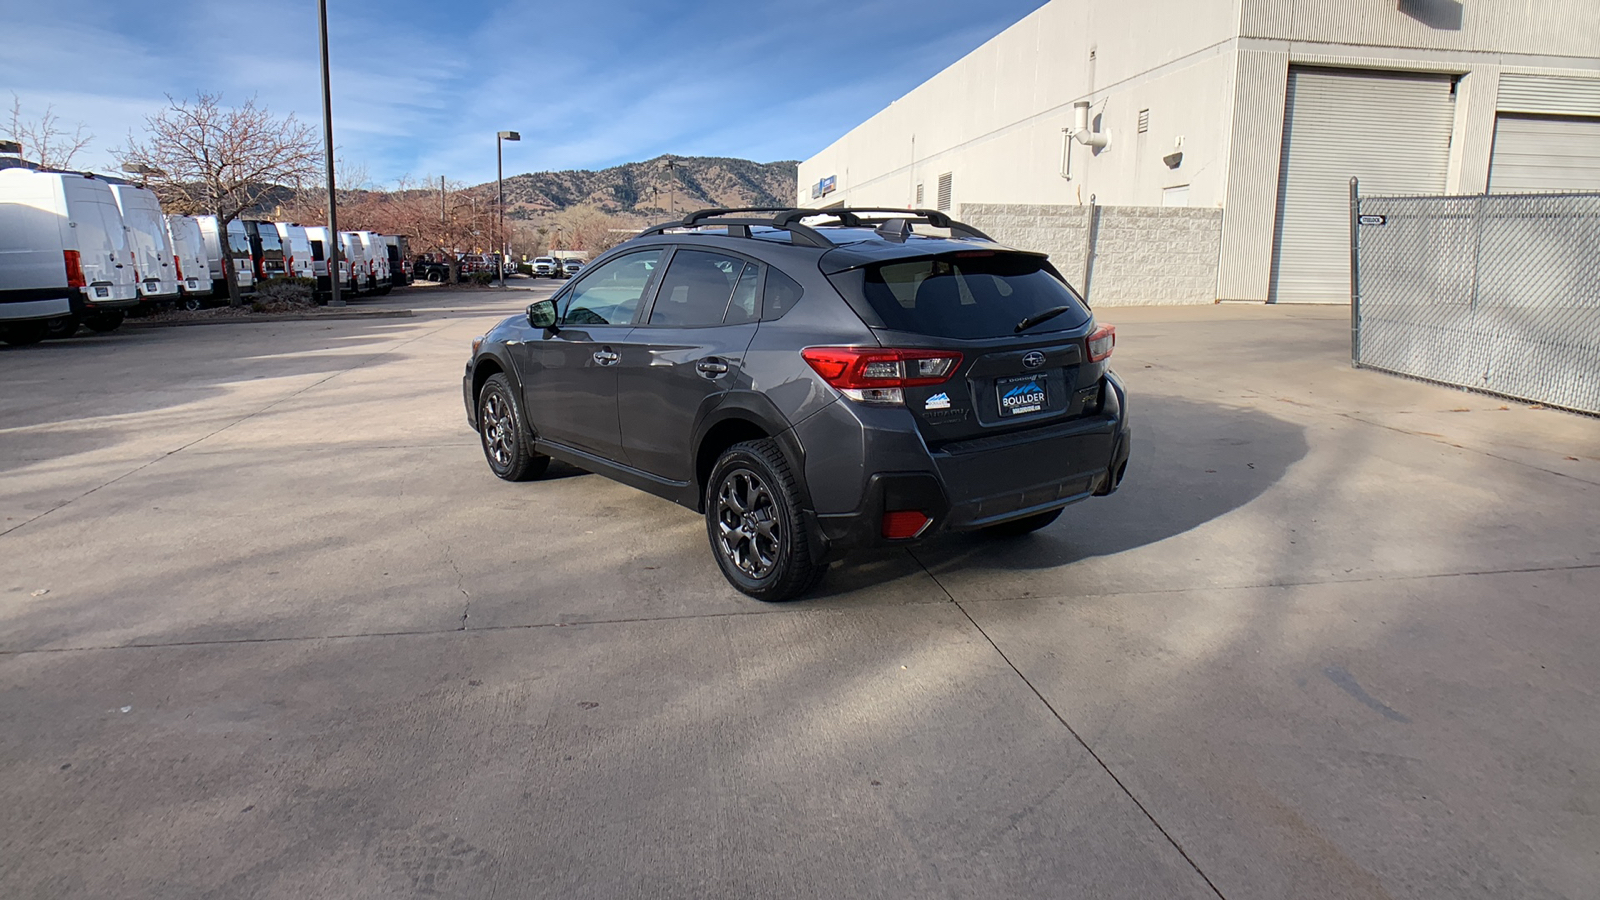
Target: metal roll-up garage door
[[1544, 153], [1389, 129]]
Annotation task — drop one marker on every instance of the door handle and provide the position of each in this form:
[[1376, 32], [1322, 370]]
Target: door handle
[[606, 357], [711, 368]]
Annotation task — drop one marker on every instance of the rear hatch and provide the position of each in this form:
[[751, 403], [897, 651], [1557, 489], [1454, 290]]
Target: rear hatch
[[993, 341]]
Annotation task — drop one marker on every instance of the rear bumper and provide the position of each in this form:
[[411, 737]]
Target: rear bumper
[[977, 483]]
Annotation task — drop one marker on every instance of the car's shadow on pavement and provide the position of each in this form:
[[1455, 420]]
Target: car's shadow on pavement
[[1193, 462]]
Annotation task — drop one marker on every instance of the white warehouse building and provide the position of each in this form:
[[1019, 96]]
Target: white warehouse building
[[1199, 150]]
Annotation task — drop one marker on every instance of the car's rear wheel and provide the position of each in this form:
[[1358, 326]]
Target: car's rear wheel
[[64, 327], [506, 443], [1025, 525], [754, 521]]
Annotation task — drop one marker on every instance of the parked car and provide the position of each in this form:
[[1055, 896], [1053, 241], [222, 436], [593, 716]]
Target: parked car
[[320, 250], [298, 258], [546, 267], [238, 250], [571, 267], [855, 384], [64, 256], [154, 269], [354, 251], [431, 270], [189, 261], [266, 249]]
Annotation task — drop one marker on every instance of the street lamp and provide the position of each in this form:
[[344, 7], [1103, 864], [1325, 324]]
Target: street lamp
[[500, 177], [327, 138]]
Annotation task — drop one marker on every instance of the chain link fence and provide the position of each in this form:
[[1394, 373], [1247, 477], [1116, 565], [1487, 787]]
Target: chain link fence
[[1496, 293]]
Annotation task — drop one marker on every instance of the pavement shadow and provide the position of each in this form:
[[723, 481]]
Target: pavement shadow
[[1193, 462]]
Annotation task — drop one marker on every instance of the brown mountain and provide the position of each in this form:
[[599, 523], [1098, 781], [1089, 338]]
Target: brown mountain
[[680, 183]]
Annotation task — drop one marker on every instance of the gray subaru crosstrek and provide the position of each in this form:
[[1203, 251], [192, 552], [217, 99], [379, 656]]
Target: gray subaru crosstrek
[[813, 382]]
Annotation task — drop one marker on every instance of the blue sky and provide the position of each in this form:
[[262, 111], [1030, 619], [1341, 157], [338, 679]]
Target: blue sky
[[421, 88]]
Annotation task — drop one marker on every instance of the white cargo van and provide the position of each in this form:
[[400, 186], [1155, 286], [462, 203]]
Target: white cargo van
[[64, 255], [154, 271], [238, 244], [296, 250], [189, 259], [320, 251], [351, 248], [377, 251]]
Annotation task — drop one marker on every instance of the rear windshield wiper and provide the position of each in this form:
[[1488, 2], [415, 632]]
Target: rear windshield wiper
[[1040, 317]]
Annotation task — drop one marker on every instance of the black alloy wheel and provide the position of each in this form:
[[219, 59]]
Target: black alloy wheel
[[506, 445], [754, 522], [189, 302]]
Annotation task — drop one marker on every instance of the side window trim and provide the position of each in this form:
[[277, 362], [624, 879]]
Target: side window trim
[[761, 289], [647, 301]]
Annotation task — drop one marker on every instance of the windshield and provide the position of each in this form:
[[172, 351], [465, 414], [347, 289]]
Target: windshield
[[964, 295]]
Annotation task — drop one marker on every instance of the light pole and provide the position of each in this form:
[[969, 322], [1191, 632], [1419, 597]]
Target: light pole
[[500, 211], [327, 139], [672, 166]]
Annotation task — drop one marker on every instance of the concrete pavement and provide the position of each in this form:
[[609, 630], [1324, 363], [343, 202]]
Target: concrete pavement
[[269, 628]]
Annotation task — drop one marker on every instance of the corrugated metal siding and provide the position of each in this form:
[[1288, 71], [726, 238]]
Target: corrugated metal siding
[[1391, 130], [1254, 141], [1545, 153], [1549, 94]]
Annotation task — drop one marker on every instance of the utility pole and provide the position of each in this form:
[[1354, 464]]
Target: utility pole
[[327, 136]]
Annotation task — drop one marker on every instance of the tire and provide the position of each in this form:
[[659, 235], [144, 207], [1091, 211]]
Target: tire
[[105, 321], [190, 302], [755, 525], [21, 334], [507, 446], [64, 327], [1020, 527]]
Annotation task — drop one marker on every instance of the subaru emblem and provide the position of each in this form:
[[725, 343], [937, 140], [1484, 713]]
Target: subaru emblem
[[1033, 360]]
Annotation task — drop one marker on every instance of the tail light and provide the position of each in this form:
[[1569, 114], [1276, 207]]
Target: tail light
[[75, 269], [177, 266], [1101, 341], [878, 376]]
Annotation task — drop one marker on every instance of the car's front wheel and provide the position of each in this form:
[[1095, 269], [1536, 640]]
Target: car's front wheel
[[506, 443], [754, 521]]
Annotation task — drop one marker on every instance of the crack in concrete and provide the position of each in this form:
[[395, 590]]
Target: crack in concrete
[[1070, 730]]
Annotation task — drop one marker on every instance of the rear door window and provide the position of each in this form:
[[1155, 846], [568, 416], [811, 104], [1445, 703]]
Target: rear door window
[[963, 295], [696, 289]]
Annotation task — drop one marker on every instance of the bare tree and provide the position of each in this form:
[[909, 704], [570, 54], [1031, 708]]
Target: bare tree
[[204, 158], [45, 138]]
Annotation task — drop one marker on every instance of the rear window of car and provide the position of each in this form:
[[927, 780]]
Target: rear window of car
[[961, 295]]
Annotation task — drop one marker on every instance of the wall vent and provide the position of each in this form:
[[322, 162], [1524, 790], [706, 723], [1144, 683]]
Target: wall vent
[[1144, 120], [944, 192], [919, 197]]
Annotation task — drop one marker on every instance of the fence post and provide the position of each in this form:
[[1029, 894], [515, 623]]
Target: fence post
[[1355, 274]]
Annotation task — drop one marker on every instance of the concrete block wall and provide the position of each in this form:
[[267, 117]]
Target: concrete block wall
[[1137, 254]]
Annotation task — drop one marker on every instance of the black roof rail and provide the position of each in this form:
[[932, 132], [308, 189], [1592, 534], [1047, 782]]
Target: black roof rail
[[787, 218]]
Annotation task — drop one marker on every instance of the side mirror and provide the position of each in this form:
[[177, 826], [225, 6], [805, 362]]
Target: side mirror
[[542, 314]]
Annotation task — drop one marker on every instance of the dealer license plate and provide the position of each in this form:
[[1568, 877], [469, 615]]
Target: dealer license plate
[[102, 292], [1022, 395]]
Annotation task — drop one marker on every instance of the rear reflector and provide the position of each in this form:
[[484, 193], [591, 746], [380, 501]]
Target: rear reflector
[[1101, 342], [74, 269], [902, 524]]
